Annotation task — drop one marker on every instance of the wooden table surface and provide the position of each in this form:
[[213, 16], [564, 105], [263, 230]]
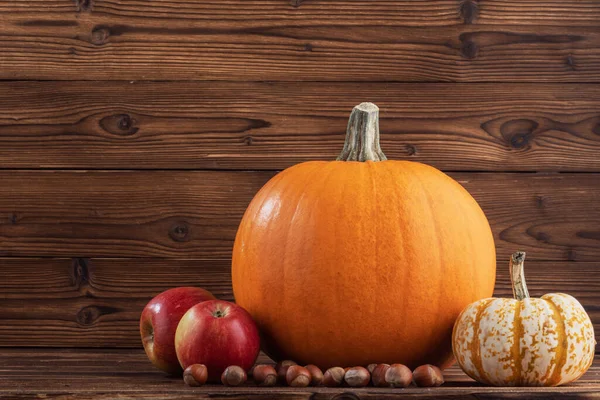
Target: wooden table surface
[[127, 374]]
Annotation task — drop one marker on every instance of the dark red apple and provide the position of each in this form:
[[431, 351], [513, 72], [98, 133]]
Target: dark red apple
[[159, 321], [217, 334]]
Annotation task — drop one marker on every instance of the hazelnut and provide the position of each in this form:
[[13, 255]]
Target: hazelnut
[[428, 376], [333, 377], [195, 375], [282, 368], [378, 375], [316, 374], [264, 375], [371, 368], [399, 376], [233, 376], [357, 377], [297, 376]]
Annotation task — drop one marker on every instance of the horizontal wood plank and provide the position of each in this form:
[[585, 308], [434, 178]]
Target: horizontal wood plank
[[307, 12], [108, 374], [356, 41], [261, 126], [97, 302], [195, 214]]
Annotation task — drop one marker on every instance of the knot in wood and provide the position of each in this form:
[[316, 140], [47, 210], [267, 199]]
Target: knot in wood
[[596, 128], [13, 218], [125, 122], [411, 149], [296, 3], [119, 124], [87, 315], [79, 271], [180, 232], [469, 49], [593, 235], [518, 132], [100, 35], [469, 11], [83, 5], [570, 62], [543, 237], [519, 141], [248, 140], [540, 201]]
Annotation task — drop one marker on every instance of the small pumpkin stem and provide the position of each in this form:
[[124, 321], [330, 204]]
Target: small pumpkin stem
[[362, 135], [517, 275]]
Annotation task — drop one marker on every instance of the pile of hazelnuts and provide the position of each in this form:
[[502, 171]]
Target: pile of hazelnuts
[[288, 372]]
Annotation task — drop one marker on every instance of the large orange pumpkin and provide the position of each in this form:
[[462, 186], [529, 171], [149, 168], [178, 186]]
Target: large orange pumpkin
[[362, 260]]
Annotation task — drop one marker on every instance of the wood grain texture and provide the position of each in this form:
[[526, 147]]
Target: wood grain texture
[[92, 303], [97, 302], [263, 126], [308, 12], [310, 41], [195, 214], [127, 374]]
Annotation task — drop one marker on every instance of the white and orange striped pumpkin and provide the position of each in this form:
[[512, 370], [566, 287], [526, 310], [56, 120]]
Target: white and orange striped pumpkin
[[524, 341]]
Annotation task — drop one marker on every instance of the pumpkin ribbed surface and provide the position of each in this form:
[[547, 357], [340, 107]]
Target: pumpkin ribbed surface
[[350, 263], [533, 342]]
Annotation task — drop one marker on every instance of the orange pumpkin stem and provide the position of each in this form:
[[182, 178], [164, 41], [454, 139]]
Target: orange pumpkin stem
[[362, 135], [517, 275]]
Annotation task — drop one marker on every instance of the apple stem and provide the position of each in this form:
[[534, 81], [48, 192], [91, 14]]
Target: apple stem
[[220, 313], [149, 337]]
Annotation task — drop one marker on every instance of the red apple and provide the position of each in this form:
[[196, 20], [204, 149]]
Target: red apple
[[159, 321], [217, 334]]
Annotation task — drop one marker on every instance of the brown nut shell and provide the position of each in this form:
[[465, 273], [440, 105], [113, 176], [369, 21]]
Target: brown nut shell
[[264, 375], [371, 368], [378, 375], [398, 375], [428, 376], [333, 377], [357, 377], [297, 376], [233, 376], [316, 375], [281, 368], [195, 375]]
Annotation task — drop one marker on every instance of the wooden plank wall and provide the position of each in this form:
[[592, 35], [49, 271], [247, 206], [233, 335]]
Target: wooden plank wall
[[133, 135]]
